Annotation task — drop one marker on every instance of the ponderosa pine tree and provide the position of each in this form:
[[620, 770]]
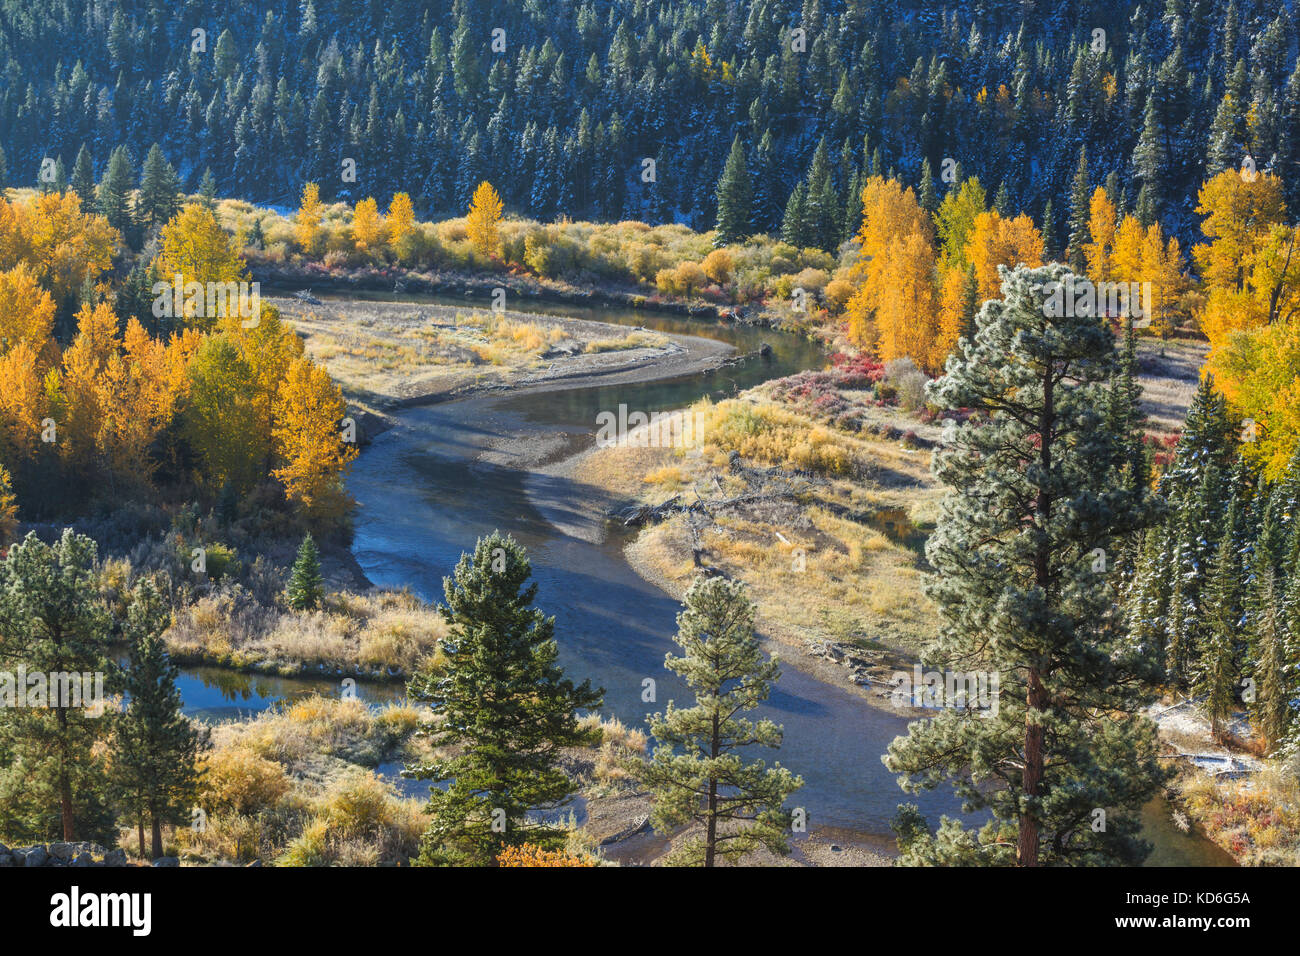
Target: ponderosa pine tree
[[306, 586], [504, 710], [734, 196], [698, 773], [157, 746], [53, 622], [1035, 487]]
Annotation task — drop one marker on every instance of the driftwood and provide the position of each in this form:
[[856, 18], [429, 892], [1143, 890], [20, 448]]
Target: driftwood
[[762, 485], [641, 823]]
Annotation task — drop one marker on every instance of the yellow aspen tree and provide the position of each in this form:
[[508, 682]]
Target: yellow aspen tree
[[995, 241], [8, 510], [26, 313], [954, 220], [1241, 212], [307, 222], [268, 350], [1162, 266], [401, 223], [196, 248], [889, 212], [952, 315], [1126, 256], [13, 234], [483, 223], [906, 314], [369, 231], [136, 402], [22, 405], [84, 363], [309, 443], [65, 246], [1101, 229]]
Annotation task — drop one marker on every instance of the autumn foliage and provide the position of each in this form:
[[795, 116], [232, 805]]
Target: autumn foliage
[[913, 300], [528, 855], [483, 222], [222, 404]]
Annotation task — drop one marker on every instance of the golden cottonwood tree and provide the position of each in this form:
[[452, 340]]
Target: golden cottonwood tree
[[309, 409], [369, 231], [26, 313], [307, 222], [483, 223], [995, 241]]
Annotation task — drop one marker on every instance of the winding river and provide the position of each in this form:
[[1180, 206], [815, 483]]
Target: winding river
[[448, 473]]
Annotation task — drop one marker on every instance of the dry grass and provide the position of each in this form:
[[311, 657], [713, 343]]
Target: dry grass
[[638, 339], [1169, 376], [841, 563], [383, 634], [386, 352], [294, 786], [1256, 818]]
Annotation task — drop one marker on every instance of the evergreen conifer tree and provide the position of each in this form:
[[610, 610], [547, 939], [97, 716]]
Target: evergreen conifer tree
[[735, 209], [1035, 487], [505, 712], [157, 747], [698, 772], [306, 586]]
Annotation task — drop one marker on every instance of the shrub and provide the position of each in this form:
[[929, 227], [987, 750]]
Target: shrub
[[908, 382], [529, 855], [239, 780], [718, 265], [837, 294]]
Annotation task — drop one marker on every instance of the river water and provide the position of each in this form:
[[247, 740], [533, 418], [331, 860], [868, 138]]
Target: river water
[[425, 495]]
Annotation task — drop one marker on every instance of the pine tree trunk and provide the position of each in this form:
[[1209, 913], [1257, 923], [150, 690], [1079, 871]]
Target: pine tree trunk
[[157, 833], [1027, 846], [65, 783], [140, 824], [711, 839], [1036, 694]]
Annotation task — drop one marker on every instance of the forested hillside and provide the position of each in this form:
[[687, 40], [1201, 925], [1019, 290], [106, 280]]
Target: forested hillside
[[566, 106]]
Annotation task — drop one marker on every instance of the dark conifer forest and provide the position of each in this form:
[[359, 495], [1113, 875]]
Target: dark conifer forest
[[564, 106]]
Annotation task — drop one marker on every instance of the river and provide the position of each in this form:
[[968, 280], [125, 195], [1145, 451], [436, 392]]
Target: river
[[425, 495]]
